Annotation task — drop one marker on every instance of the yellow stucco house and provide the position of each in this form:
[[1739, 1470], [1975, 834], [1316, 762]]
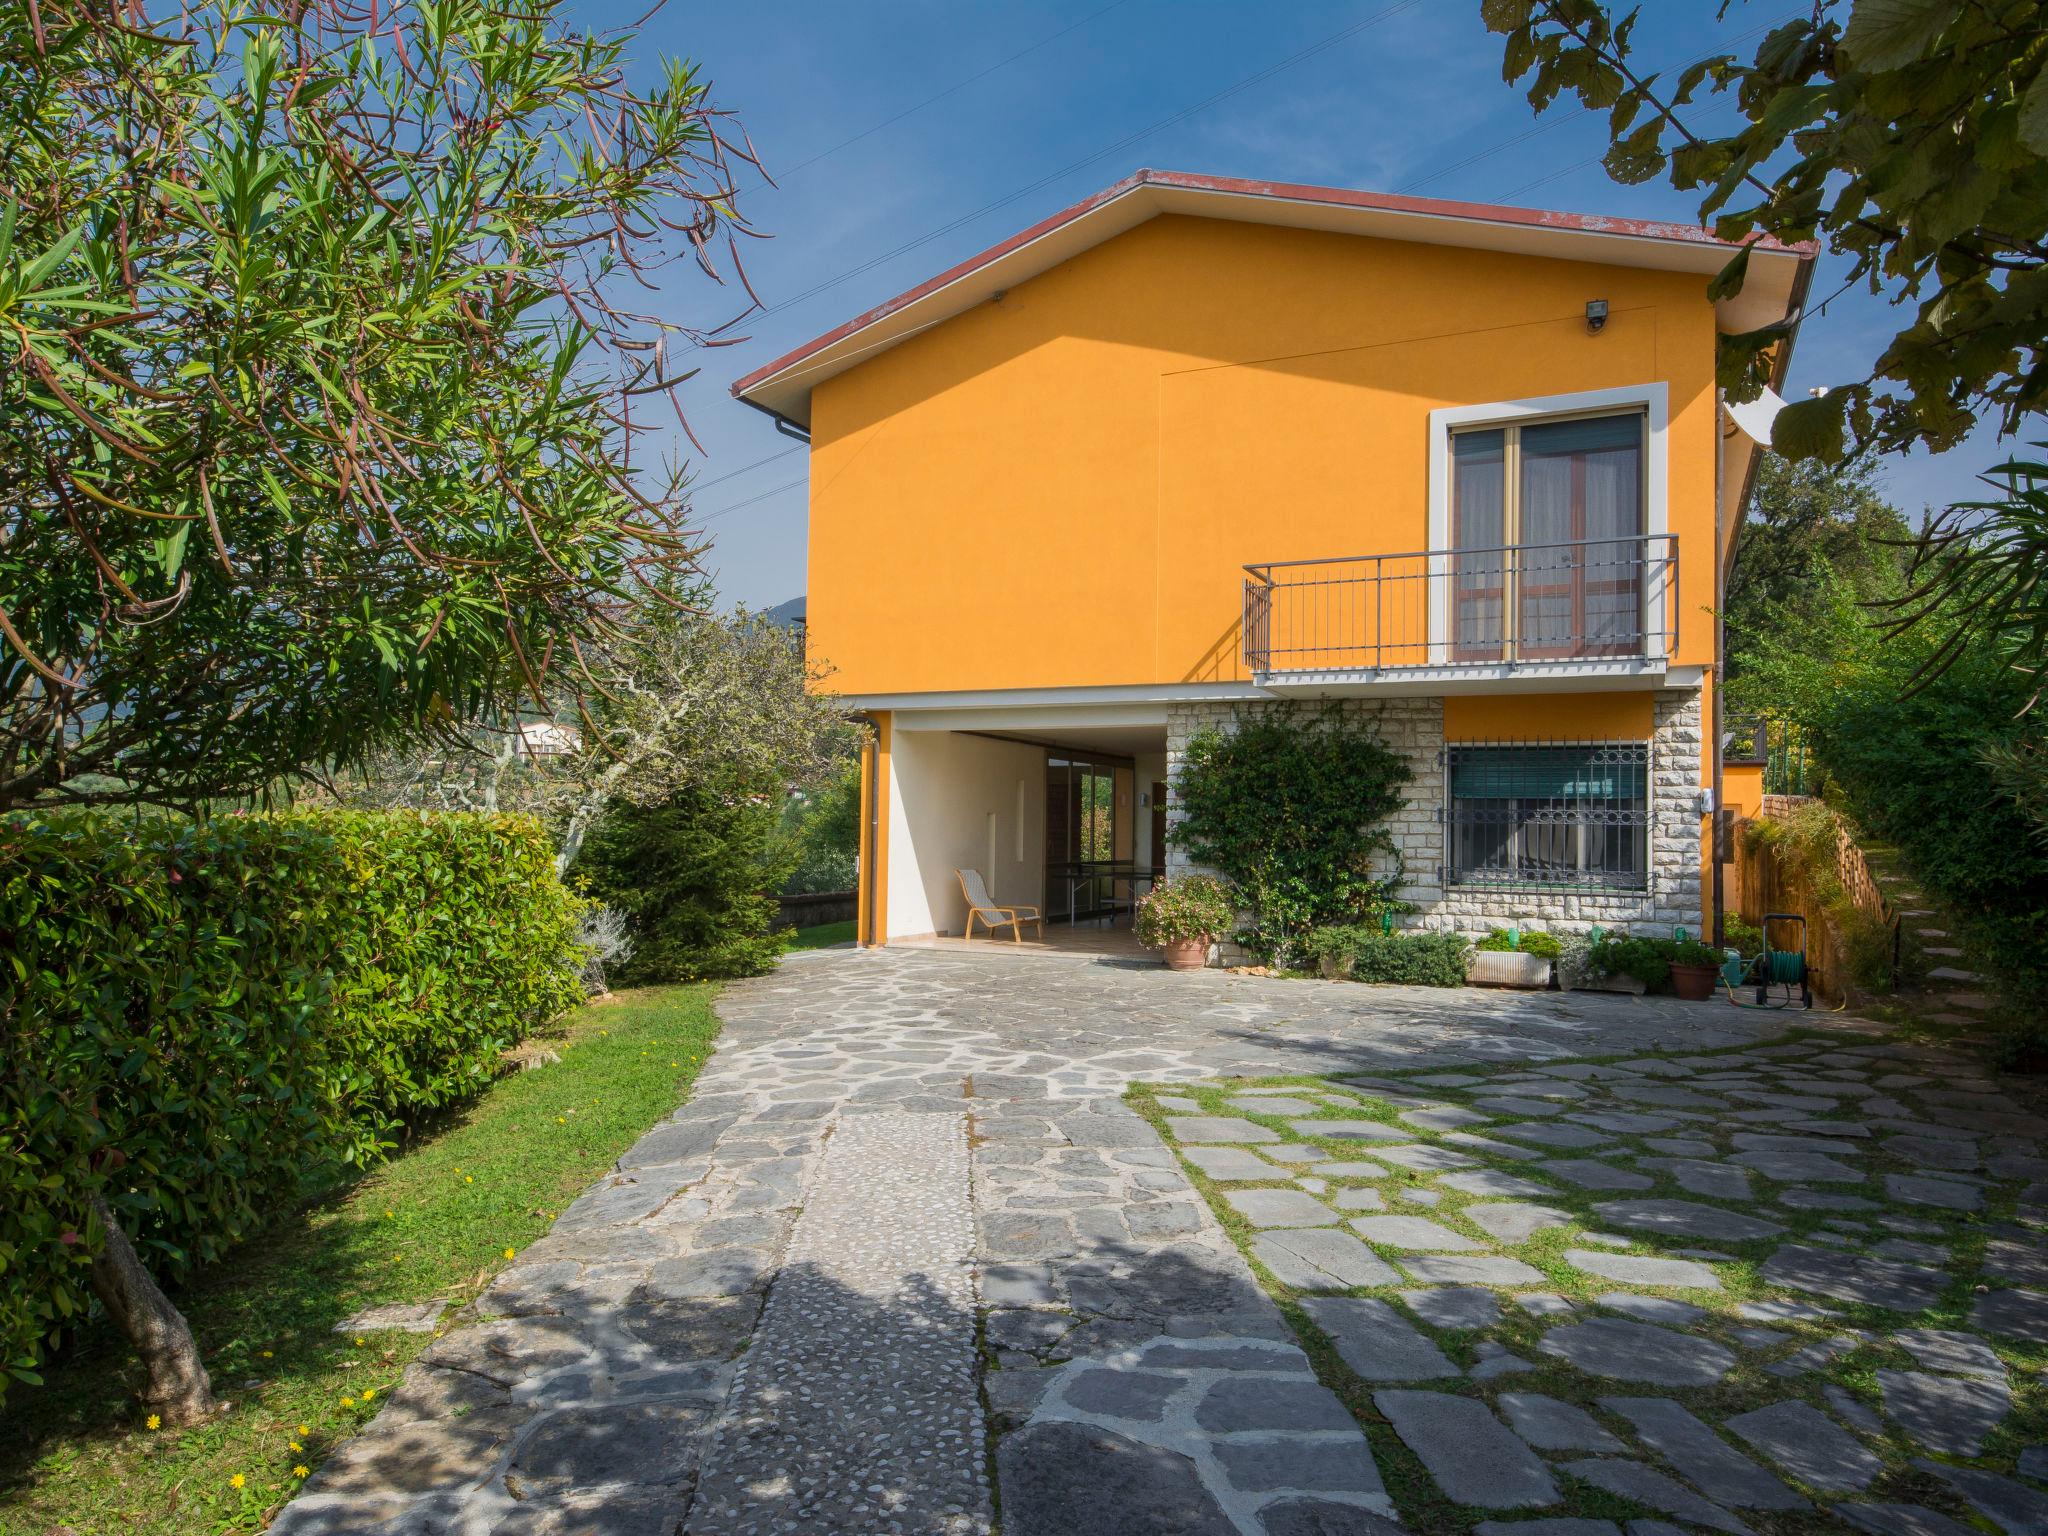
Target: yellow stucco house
[[1195, 446]]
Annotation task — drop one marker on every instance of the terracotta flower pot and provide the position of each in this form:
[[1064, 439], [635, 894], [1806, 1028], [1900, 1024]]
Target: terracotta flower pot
[[1187, 954], [1693, 983]]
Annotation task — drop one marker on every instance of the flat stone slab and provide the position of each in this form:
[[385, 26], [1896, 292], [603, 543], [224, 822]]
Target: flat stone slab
[[2016, 1314], [1686, 1218], [1646, 1485], [1569, 1138], [395, 1317], [1065, 1479], [1246, 1404], [1310, 1464], [1454, 1306], [1810, 1445], [1423, 1159], [1860, 1277], [1320, 1259], [1591, 1173], [1415, 1233], [1515, 1223], [1229, 1163], [1376, 1341], [1799, 1167], [2011, 1506], [1280, 1208], [1902, 1520], [1349, 1130], [1946, 1349], [1195, 1129], [1272, 1104], [1636, 1269], [1466, 1451], [1472, 1269], [1702, 1457], [1551, 1425], [1949, 1414], [1491, 1182], [1717, 1181], [1944, 1194], [1628, 1351]]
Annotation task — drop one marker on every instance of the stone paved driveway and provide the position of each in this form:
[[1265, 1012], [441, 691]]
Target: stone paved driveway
[[909, 1205]]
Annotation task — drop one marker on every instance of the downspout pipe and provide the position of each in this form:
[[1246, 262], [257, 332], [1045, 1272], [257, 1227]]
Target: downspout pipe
[[868, 895], [783, 424]]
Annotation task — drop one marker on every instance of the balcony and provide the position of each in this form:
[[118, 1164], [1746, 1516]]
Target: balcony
[[1584, 607]]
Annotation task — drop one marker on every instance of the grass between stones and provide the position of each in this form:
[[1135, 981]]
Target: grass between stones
[[434, 1222], [1747, 1386]]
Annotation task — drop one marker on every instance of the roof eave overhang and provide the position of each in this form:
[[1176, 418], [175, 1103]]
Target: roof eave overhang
[[783, 387]]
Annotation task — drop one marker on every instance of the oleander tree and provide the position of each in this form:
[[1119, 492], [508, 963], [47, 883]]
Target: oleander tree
[[326, 364], [325, 373]]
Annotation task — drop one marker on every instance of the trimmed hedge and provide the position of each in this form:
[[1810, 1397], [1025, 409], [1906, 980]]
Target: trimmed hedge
[[1363, 953], [194, 1018]]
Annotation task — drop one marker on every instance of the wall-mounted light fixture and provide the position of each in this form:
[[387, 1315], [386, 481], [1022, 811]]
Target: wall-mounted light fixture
[[1596, 316]]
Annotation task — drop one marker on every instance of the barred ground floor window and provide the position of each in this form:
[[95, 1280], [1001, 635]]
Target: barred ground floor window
[[1551, 815]]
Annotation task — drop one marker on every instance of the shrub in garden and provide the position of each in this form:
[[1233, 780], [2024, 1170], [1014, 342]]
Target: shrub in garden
[[198, 1016], [1293, 812], [692, 876], [1413, 959], [1192, 907], [1648, 960]]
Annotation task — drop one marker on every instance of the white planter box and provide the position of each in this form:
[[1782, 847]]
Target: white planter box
[[1508, 968], [1628, 984]]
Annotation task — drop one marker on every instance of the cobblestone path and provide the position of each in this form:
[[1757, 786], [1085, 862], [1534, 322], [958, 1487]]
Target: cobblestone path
[[907, 1208]]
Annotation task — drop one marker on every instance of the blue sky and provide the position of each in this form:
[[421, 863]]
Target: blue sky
[[1410, 102]]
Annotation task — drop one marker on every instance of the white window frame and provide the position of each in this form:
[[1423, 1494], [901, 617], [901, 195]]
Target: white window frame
[[1653, 400]]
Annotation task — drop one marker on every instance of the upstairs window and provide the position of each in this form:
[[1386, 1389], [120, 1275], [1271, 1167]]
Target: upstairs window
[[1547, 533]]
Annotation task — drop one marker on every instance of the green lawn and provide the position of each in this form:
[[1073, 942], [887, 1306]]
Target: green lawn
[[439, 1220], [822, 936]]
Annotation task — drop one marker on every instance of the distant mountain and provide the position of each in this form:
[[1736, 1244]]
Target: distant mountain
[[789, 615]]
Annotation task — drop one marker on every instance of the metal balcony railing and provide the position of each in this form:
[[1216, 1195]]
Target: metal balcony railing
[[1578, 600]]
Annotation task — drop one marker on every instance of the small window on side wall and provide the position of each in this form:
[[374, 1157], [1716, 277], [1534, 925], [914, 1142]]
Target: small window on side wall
[[1565, 817]]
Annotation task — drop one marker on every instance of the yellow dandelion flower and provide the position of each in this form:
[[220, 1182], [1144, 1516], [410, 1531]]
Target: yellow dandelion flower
[[152, 1422], [348, 1402], [266, 1354], [359, 1343], [467, 1179], [294, 1447], [368, 1393], [298, 1471], [305, 1429], [238, 1481], [391, 1215], [509, 1253]]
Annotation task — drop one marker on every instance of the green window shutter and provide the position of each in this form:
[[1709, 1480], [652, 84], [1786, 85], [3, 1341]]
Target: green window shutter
[[1547, 773]]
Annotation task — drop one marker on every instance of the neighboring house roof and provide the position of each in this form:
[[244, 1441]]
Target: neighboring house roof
[[1774, 288]]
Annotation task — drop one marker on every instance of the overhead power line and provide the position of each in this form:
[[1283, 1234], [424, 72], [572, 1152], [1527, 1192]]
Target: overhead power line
[[1558, 121], [1129, 140], [951, 90]]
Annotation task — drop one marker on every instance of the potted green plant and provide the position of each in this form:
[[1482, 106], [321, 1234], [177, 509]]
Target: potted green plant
[[1694, 969], [1183, 917]]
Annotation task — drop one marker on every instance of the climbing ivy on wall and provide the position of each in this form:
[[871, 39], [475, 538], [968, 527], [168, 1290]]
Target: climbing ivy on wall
[[1291, 806]]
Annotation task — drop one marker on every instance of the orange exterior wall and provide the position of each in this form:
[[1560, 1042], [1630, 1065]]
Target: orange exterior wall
[[1557, 716], [1058, 488]]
